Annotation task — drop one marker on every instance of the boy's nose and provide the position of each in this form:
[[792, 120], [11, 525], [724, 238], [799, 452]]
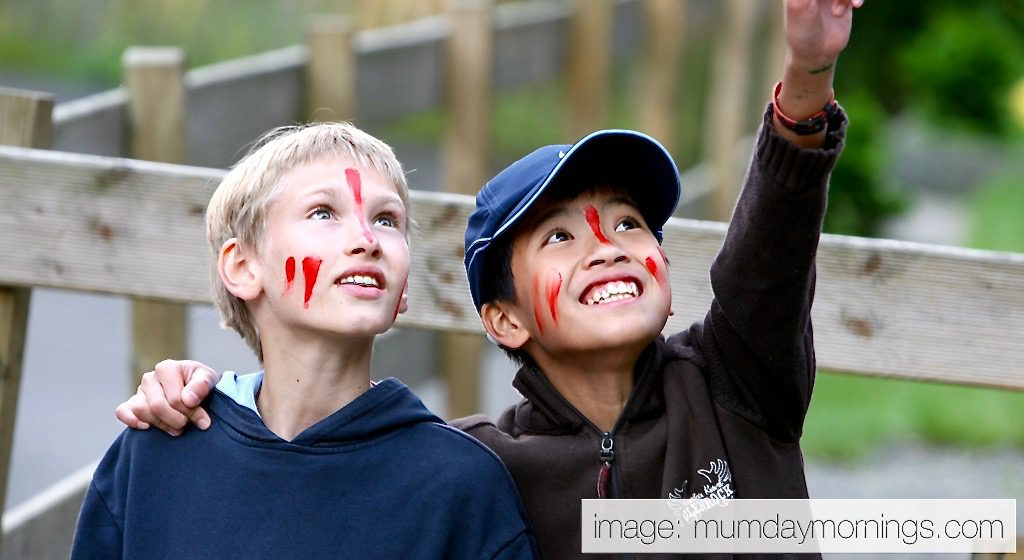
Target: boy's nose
[[606, 253], [362, 240]]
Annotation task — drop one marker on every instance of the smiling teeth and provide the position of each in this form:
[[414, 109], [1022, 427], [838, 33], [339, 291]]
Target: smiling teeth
[[613, 291], [359, 279]]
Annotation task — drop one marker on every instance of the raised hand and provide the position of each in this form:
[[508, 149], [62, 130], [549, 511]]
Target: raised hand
[[817, 31]]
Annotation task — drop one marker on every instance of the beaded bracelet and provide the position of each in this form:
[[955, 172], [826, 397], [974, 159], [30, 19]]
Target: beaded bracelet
[[811, 125]]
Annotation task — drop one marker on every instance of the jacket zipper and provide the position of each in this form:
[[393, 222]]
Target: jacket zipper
[[607, 455]]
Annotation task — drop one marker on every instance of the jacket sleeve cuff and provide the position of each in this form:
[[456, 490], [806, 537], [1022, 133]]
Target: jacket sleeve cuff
[[787, 164]]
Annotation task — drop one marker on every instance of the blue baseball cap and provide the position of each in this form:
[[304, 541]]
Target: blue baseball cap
[[624, 158]]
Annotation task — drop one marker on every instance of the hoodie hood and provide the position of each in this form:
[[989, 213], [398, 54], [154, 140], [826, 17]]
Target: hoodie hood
[[386, 407]]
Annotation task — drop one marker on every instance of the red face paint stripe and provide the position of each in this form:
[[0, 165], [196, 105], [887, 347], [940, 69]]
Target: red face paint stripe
[[355, 183], [554, 286], [594, 220], [537, 304], [289, 273], [310, 268], [652, 267]]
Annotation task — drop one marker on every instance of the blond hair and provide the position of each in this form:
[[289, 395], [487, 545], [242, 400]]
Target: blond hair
[[238, 208]]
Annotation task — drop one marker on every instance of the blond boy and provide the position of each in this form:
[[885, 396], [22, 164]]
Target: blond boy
[[309, 458]]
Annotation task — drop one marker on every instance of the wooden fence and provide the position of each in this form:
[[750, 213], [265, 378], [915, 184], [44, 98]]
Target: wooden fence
[[95, 221]]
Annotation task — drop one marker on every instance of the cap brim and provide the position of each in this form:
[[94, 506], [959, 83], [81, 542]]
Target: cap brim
[[625, 159]]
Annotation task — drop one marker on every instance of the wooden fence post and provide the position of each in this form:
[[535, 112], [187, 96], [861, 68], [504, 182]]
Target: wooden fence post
[[381, 13], [730, 83], [656, 99], [26, 119], [154, 78], [467, 152], [331, 73], [587, 65]]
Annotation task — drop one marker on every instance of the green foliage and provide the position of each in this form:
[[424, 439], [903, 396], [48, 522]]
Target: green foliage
[[849, 415], [859, 200], [961, 67]]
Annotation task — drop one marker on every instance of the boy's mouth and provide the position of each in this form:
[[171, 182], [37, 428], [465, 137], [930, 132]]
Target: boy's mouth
[[609, 291], [363, 279]]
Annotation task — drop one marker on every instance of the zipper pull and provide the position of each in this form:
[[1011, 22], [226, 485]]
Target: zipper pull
[[607, 457]]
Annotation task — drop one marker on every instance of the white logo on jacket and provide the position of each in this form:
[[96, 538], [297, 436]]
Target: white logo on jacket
[[717, 490]]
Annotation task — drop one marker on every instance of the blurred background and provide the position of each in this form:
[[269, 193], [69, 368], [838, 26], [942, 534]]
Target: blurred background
[[935, 94]]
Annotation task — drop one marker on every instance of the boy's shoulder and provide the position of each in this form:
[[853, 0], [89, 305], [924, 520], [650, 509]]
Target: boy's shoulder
[[460, 448]]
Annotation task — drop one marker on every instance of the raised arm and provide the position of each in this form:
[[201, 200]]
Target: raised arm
[[169, 397], [756, 339]]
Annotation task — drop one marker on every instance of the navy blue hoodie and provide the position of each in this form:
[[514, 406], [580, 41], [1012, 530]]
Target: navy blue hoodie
[[380, 478]]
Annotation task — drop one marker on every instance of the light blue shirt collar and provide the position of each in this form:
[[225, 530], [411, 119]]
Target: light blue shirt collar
[[243, 389]]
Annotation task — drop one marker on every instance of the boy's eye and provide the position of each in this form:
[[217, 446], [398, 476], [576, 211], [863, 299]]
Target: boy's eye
[[321, 213], [557, 236], [386, 220], [627, 224]]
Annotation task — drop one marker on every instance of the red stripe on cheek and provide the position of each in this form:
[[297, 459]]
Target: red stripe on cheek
[[310, 268], [594, 220], [652, 267], [356, 184], [537, 309], [289, 273], [554, 286]]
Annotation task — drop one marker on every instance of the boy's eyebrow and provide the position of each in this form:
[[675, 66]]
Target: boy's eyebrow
[[550, 213], [621, 200], [322, 191]]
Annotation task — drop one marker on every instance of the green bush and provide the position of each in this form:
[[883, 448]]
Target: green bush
[[859, 200], [962, 66]]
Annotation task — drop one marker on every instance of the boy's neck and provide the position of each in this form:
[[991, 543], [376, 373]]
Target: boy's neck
[[596, 384], [306, 381]]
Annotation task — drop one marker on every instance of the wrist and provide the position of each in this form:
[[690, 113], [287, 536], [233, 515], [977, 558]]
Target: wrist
[[812, 124], [803, 94]]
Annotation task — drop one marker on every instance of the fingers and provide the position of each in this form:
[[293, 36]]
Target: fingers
[[200, 418], [127, 416], [199, 385], [160, 401]]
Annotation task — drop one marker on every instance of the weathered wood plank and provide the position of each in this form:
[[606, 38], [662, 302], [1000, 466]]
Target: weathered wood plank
[[589, 67], [331, 71], [154, 78], [467, 155], [27, 118], [882, 308]]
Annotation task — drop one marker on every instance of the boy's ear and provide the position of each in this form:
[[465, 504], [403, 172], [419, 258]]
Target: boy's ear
[[403, 305], [504, 325], [238, 271]]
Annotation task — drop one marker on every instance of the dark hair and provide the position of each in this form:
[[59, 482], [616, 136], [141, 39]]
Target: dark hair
[[502, 287]]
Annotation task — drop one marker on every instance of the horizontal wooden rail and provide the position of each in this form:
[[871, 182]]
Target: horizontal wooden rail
[[882, 307]]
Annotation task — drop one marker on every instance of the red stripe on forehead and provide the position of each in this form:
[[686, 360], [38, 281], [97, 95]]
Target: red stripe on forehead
[[355, 183], [594, 220]]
